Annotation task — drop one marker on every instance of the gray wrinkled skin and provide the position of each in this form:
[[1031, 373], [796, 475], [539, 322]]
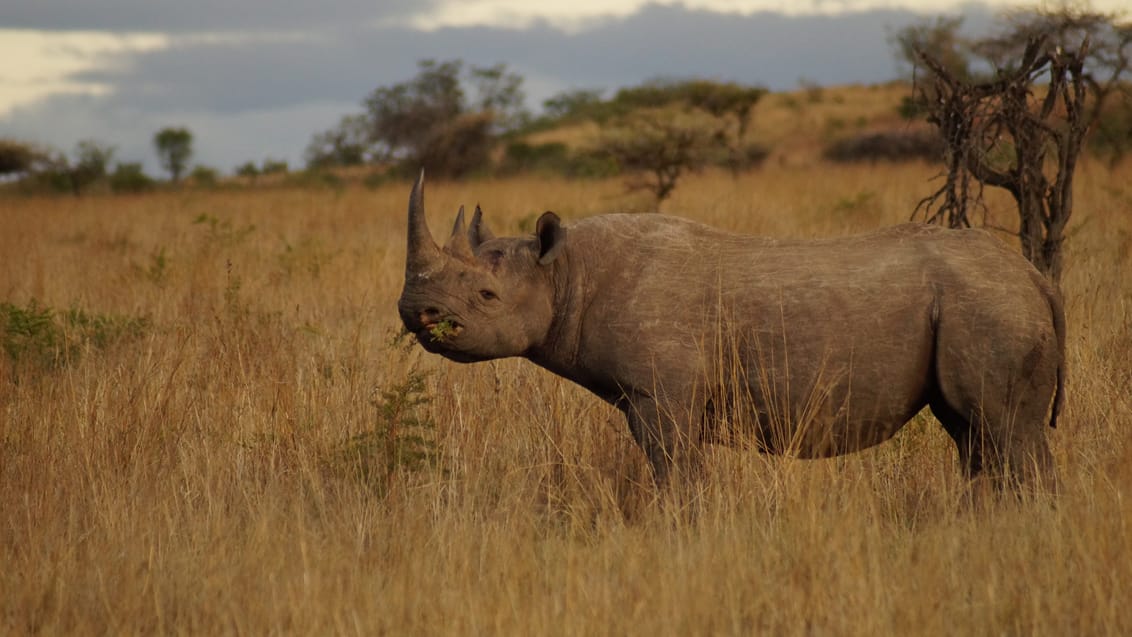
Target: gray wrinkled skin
[[813, 348]]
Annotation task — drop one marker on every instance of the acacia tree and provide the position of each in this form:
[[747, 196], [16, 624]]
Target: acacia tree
[[669, 129], [729, 106], [657, 147], [174, 149], [500, 93], [429, 121], [1022, 128]]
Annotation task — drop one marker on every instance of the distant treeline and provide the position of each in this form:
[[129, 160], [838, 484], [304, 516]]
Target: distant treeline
[[458, 120]]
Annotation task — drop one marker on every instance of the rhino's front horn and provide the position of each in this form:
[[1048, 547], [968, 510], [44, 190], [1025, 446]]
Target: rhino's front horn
[[422, 253], [458, 244]]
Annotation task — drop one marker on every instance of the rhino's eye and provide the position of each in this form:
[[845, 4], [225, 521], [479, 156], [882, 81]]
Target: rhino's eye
[[488, 295]]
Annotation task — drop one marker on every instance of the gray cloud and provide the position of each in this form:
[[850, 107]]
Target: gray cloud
[[266, 95], [176, 16]]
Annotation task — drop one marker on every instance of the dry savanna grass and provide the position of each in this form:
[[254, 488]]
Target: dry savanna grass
[[226, 435]]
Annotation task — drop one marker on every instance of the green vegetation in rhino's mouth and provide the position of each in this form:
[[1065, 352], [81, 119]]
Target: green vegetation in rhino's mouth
[[443, 330]]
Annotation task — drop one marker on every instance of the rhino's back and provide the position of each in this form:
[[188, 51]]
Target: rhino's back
[[660, 268], [657, 267]]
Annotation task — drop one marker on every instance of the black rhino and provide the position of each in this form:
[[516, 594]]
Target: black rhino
[[815, 348]]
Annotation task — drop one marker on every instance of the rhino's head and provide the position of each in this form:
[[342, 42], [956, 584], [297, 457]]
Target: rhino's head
[[480, 297]]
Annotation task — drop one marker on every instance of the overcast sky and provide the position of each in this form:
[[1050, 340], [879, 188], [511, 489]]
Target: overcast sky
[[255, 79]]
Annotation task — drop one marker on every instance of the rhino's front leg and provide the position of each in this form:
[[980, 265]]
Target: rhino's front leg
[[664, 433]]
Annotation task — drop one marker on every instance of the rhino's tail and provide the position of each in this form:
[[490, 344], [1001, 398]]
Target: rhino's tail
[[1057, 310]]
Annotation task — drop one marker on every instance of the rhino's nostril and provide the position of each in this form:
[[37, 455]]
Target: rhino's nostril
[[430, 315]]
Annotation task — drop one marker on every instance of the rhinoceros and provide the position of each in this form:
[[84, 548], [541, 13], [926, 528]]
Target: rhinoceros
[[809, 347]]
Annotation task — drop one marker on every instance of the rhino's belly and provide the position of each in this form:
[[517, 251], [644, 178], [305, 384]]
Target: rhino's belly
[[822, 440], [804, 437], [824, 398]]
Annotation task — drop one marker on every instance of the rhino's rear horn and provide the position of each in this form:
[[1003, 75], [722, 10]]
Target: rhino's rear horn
[[458, 244], [422, 252], [477, 229]]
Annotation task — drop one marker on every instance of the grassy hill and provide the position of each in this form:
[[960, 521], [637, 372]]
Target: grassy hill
[[795, 125]]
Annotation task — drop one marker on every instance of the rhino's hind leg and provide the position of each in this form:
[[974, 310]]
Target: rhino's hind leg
[[993, 390], [1004, 444], [1023, 460], [966, 437]]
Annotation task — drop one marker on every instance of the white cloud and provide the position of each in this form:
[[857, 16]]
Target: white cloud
[[48, 59]]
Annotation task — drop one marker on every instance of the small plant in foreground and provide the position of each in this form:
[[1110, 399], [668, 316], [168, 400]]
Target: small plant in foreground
[[402, 439]]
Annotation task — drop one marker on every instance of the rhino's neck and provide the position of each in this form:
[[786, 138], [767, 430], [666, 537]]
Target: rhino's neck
[[558, 351], [577, 283]]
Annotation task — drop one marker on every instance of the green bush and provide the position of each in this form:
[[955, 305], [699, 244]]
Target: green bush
[[521, 157], [1112, 133], [38, 337], [557, 158], [890, 145], [18, 157], [401, 440], [273, 167], [204, 176], [248, 169], [130, 177], [911, 108]]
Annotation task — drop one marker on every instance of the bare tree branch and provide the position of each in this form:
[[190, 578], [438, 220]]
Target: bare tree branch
[[1023, 129]]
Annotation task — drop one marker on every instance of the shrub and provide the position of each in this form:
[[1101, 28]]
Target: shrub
[[273, 167], [38, 337], [1112, 134], [204, 176], [401, 440], [58, 173], [521, 156], [890, 145], [18, 157], [130, 177], [748, 157], [248, 169]]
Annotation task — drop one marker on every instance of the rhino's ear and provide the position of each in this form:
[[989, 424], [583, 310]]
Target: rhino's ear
[[551, 237]]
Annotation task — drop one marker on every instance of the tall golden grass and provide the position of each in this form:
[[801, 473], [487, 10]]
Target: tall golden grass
[[189, 476]]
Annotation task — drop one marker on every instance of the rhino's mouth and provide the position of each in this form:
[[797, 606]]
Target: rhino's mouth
[[440, 331], [439, 337]]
